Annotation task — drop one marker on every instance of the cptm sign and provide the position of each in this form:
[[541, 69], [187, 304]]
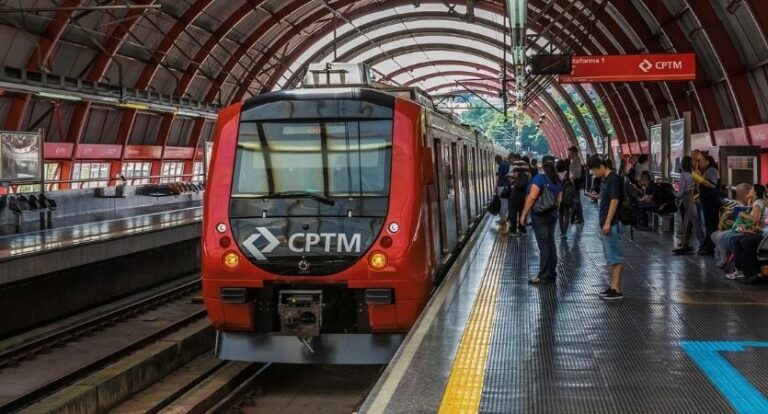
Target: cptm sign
[[632, 68]]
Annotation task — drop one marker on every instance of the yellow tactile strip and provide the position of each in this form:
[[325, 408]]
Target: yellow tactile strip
[[465, 384]]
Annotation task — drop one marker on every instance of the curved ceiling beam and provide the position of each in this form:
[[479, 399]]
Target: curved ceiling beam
[[469, 86], [599, 121], [383, 40], [736, 74], [98, 68], [40, 60], [554, 110], [115, 39], [160, 51], [372, 61], [389, 21], [421, 65], [467, 74], [578, 116], [227, 26], [328, 28]]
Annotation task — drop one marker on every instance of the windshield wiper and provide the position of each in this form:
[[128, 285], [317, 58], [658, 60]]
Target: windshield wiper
[[303, 194]]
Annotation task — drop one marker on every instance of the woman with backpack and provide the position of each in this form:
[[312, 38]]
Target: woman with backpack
[[519, 187], [543, 201]]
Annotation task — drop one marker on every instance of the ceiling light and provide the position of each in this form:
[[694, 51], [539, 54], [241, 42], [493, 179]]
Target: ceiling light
[[61, 96], [133, 105]]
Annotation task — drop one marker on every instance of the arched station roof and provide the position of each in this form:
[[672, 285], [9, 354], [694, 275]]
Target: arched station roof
[[220, 51]]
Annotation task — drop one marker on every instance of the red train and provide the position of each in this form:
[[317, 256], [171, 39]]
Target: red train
[[330, 215]]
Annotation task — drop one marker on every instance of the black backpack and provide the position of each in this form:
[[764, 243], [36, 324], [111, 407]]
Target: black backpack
[[629, 203], [569, 194]]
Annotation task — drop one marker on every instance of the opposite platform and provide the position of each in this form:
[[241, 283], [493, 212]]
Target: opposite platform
[[684, 339]]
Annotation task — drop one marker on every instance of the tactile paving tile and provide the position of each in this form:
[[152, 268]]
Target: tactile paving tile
[[560, 349]]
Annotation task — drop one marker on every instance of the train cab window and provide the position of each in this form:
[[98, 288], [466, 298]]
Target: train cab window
[[332, 158]]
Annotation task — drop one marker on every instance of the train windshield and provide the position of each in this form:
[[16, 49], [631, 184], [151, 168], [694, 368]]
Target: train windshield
[[326, 157]]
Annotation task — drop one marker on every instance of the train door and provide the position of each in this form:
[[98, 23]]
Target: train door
[[475, 178], [433, 195], [484, 192], [469, 189], [458, 168], [447, 196]]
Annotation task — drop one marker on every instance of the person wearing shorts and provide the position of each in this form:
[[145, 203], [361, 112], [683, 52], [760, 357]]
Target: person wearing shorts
[[610, 196]]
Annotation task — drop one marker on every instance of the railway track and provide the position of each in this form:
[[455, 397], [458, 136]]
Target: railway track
[[43, 364]]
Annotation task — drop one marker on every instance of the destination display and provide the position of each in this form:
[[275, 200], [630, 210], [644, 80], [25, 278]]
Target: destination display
[[632, 68]]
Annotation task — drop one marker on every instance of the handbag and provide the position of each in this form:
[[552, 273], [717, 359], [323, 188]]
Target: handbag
[[495, 207], [546, 202]]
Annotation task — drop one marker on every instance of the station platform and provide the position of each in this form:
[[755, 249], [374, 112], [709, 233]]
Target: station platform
[[94, 258], [96, 227], [684, 339]]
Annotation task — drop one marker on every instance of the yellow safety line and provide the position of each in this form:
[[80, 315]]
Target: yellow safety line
[[465, 385]]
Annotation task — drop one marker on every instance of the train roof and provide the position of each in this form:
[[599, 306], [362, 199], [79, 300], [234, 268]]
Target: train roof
[[380, 94]]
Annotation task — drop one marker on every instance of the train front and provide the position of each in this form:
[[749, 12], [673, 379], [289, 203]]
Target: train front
[[301, 244]]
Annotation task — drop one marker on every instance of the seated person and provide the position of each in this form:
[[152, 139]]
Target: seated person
[[651, 197], [730, 213], [751, 229]]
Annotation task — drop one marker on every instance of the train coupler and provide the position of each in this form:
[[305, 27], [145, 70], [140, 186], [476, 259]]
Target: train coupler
[[301, 313]]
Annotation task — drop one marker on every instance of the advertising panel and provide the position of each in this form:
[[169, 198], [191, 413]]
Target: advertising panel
[[20, 156], [654, 157], [677, 146]]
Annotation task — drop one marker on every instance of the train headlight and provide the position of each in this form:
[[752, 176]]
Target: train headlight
[[394, 227], [377, 260], [221, 228], [231, 260]]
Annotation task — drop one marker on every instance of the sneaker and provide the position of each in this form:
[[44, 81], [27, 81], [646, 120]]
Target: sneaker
[[736, 274], [605, 293], [682, 250], [612, 295]]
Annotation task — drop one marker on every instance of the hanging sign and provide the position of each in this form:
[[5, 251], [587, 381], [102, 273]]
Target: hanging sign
[[632, 68]]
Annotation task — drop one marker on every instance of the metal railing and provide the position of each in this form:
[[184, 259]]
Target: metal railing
[[55, 185]]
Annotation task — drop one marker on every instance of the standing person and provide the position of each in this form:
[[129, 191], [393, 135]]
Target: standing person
[[570, 197], [501, 184], [534, 167], [689, 212], [709, 196], [517, 196], [544, 222], [576, 174], [610, 195]]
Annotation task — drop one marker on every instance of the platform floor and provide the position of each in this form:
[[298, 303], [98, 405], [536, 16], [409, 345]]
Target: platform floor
[[98, 227], [684, 339]]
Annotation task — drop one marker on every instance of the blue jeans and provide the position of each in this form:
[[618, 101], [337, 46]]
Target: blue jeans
[[612, 246], [544, 228], [722, 240]]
